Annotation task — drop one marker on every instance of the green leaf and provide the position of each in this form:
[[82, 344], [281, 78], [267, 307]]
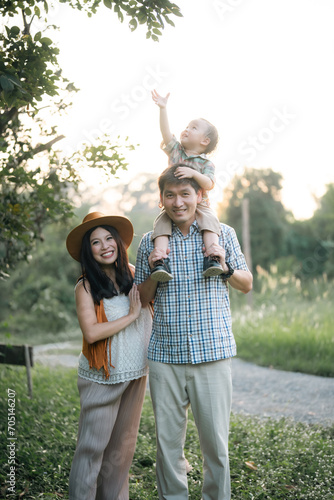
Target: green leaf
[[14, 31], [6, 84], [108, 3], [156, 31], [170, 22], [176, 12], [38, 36], [46, 41], [133, 24]]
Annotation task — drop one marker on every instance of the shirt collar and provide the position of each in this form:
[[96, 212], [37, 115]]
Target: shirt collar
[[201, 155], [193, 229]]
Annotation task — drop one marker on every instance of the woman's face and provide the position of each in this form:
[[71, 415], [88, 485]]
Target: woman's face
[[104, 247]]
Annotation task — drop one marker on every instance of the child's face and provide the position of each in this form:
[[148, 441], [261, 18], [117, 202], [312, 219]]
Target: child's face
[[194, 137]]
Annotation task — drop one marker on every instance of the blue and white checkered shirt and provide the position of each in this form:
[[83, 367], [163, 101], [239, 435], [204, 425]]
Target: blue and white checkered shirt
[[192, 318]]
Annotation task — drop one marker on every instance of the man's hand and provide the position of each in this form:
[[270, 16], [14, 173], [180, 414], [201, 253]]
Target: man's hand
[[184, 173], [217, 251], [159, 100], [157, 254]]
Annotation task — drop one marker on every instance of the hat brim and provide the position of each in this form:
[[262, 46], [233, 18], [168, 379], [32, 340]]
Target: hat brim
[[122, 225]]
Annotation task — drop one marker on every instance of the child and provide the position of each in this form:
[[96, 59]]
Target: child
[[198, 139]]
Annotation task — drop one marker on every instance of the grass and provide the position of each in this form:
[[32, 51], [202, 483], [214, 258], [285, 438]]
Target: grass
[[39, 338], [289, 327], [269, 459]]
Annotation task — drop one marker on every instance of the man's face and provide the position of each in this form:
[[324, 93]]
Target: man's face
[[180, 202]]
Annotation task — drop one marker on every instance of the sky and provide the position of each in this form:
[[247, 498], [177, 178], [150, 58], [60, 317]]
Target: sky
[[260, 70]]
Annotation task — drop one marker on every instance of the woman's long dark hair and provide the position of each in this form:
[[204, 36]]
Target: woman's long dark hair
[[101, 285]]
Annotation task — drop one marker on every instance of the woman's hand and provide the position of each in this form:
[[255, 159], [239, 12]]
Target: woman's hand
[[135, 304]]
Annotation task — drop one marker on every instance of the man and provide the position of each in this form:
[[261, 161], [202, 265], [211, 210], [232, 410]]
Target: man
[[192, 342]]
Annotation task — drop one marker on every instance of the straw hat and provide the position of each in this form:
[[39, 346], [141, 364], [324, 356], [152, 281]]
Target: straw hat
[[121, 224]]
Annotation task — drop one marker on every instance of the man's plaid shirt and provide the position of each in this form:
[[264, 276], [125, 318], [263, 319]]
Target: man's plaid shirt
[[192, 318]]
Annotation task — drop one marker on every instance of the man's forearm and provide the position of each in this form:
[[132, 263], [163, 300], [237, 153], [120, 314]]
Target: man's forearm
[[147, 291], [241, 280]]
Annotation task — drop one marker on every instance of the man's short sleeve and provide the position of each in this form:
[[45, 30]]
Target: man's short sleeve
[[143, 270], [234, 255]]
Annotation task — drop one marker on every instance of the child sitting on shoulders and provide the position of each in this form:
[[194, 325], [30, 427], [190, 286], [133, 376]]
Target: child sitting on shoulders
[[198, 139]]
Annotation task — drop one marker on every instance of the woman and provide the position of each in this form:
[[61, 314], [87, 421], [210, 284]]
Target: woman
[[113, 364]]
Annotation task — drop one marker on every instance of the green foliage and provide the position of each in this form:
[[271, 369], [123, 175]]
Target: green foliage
[[304, 248], [290, 325], [36, 183], [268, 217], [312, 241], [153, 14], [279, 460], [105, 156], [38, 298]]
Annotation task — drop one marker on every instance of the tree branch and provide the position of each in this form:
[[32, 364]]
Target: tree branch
[[38, 149], [43, 147]]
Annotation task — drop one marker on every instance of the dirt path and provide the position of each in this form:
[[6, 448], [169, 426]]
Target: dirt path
[[256, 390], [275, 393]]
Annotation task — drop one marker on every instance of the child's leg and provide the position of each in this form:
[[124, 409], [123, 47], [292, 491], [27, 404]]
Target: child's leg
[[161, 232], [211, 265], [209, 238], [210, 227], [161, 242]]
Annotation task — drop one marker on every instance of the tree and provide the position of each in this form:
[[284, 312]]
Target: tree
[[312, 241], [323, 218], [36, 183], [268, 217]]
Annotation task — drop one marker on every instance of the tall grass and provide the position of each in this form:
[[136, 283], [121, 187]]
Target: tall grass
[[269, 459], [290, 325]]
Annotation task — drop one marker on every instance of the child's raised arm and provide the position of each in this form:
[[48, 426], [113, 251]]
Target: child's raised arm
[[164, 125]]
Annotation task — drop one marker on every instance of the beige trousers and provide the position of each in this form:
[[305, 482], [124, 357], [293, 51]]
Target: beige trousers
[[207, 387], [206, 218], [108, 428]]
